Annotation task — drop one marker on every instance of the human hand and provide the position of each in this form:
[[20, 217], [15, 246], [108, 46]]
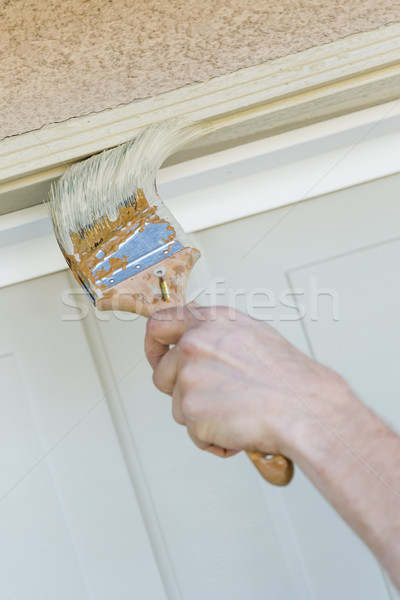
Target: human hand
[[236, 383]]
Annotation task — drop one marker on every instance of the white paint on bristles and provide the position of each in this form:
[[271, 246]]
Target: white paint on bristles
[[98, 187]]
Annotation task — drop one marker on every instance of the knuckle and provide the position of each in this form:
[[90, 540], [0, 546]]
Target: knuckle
[[151, 327], [177, 414], [155, 378], [189, 407], [190, 343], [224, 312], [159, 382], [202, 432], [187, 377]]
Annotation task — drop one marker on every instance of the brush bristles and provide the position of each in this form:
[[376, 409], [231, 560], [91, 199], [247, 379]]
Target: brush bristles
[[94, 190]]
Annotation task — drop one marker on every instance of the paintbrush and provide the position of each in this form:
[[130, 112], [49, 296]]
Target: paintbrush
[[122, 244]]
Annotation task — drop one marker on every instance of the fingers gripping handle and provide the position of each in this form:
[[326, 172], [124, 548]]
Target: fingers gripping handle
[[136, 294], [275, 469]]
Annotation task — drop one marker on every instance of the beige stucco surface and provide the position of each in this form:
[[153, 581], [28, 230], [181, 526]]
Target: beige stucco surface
[[62, 59]]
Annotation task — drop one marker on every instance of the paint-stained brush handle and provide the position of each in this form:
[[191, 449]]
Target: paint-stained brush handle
[[275, 469]]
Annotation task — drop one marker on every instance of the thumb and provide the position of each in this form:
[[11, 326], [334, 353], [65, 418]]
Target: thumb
[[167, 326]]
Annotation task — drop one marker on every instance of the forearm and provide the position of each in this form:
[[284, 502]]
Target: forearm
[[351, 456], [240, 385]]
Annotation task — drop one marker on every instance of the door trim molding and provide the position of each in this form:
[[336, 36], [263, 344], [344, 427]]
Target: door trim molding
[[231, 184]]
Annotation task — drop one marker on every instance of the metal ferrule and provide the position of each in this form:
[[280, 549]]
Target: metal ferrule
[[139, 251]]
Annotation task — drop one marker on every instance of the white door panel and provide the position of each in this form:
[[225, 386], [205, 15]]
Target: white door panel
[[364, 341], [36, 555], [69, 519]]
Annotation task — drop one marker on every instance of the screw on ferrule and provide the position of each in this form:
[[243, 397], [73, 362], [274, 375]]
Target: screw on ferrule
[[164, 290], [160, 272]]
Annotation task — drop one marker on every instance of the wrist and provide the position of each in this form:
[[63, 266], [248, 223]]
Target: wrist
[[322, 415]]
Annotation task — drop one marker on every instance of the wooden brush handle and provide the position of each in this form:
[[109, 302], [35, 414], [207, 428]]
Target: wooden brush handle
[[142, 294], [275, 469]]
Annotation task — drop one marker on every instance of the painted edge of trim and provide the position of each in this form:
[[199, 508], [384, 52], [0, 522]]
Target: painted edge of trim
[[323, 71], [318, 159]]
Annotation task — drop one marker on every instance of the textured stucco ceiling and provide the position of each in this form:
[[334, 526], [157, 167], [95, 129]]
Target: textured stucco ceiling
[[62, 59]]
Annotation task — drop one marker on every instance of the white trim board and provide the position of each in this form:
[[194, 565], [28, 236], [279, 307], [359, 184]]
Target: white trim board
[[354, 72], [235, 183]]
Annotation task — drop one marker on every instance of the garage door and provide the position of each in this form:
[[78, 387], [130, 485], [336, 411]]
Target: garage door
[[103, 496]]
